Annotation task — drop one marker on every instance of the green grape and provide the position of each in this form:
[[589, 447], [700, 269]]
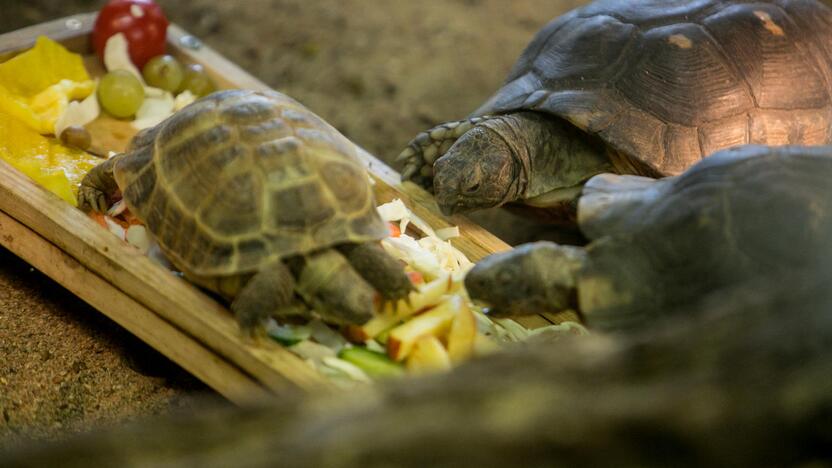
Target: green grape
[[197, 81], [165, 72], [120, 93]]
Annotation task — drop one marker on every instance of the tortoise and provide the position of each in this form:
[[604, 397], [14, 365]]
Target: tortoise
[[659, 245], [253, 196], [645, 87]]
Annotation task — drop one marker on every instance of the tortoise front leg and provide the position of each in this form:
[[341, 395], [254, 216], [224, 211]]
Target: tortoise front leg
[[382, 271], [328, 283], [98, 187], [418, 158], [265, 294]]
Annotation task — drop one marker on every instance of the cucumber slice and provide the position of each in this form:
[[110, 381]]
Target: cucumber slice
[[376, 365], [287, 335]]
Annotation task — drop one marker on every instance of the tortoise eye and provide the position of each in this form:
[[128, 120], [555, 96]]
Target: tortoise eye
[[473, 188]]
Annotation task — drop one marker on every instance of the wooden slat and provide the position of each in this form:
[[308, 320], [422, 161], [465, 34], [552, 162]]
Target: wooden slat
[[182, 349], [72, 31]]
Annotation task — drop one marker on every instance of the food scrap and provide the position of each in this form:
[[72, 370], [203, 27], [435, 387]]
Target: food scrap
[[163, 87], [436, 328], [37, 86], [141, 22], [45, 160]]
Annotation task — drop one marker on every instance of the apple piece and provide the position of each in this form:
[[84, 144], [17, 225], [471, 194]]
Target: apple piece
[[427, 295], [371, 329], [433, 322], [428, 356], [462, 335]]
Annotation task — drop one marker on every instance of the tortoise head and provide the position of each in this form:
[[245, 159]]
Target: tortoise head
[[479, 171], [531, 279]]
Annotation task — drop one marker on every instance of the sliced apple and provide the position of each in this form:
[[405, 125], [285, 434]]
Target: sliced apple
[[428, 356], [374, 326], [434, 322], [462, 335], [428, 295]]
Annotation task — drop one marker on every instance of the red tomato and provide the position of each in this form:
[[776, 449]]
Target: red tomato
[[415, 277], [142, 22], [394, 230], [98, 218]]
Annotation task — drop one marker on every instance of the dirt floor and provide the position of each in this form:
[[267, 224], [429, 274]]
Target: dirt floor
[[379, 71]]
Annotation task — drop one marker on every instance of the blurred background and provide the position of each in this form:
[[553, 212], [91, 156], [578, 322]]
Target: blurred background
[[378, 71]]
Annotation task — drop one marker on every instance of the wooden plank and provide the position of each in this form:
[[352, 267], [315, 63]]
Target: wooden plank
[[173, 299], [182, 349], [72, 31]]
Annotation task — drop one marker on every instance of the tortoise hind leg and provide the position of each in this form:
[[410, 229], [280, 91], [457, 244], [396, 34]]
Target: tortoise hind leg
[[382, 271], [98, 187], [428, 146], [266, 293]]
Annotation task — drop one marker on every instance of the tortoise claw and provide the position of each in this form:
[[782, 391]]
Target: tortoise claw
[[409, 171], [91, 199]]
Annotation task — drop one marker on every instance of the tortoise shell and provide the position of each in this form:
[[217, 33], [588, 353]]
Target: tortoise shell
[[240, 178], [667, 82], [750, 212]]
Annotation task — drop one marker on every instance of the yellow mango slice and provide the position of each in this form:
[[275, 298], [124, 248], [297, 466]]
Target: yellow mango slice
[[40, 67], [45, 160], [37, 85]]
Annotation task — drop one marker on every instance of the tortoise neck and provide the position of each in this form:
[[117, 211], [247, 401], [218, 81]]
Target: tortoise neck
[[552, 156]]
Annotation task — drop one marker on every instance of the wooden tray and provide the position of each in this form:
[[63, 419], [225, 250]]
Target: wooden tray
[[166, 312]]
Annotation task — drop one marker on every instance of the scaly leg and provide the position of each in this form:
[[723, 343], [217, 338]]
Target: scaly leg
[[265, 294], [328, 283], [418, 158], [98, 187], [382, 271]]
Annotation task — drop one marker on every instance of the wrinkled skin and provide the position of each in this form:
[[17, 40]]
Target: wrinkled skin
[[528, 158], [460, 186], [531, 279]]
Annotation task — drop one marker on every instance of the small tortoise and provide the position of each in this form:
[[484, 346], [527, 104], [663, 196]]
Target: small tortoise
[[658, 246], [253, 196], [646, 87]]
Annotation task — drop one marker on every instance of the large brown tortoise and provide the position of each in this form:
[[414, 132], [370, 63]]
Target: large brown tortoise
[[254, 197], [644, 87]]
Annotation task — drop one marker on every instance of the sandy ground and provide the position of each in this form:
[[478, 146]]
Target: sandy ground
[[379, 71]]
